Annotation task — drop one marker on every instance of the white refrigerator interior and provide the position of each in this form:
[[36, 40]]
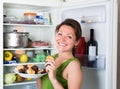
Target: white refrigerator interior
[[97, 16]]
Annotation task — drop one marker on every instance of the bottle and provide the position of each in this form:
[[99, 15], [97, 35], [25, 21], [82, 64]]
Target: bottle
[[47, 52], [92, 50]]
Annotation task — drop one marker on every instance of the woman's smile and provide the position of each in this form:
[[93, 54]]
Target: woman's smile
[[65, 38], [61, 44]]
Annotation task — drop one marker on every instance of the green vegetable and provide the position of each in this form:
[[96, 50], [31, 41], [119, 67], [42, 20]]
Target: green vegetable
[[9, 78], [39, 58], [36, 60]]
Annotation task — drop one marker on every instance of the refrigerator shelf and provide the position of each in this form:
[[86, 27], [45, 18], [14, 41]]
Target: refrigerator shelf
[[91, 68], [27, 25], [28, 48], [98, 64], [34, 63], [21, 83], [31, 4]]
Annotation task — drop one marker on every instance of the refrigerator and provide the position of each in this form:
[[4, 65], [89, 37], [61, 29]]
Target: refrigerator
[[100, 15], [118, 62]]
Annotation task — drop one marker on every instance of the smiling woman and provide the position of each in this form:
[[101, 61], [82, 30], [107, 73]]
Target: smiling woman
[[65, 38], [65, 67]]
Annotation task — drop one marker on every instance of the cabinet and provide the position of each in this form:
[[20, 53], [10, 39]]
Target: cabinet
[[37, 32]]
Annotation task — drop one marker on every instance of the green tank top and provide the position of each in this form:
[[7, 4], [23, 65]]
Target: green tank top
[[46, 84]]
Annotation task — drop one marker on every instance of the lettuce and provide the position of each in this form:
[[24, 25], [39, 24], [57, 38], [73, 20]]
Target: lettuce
[[9, 78]]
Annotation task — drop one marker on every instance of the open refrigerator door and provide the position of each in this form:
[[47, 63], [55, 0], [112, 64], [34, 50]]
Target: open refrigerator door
[[97, 16]]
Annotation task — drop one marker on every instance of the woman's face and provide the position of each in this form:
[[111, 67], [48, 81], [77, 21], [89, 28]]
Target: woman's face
[[65, 38]]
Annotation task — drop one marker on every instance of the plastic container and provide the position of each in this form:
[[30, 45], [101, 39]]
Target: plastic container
[[46, 18], [29, 17], [10, 19], [39, 18]]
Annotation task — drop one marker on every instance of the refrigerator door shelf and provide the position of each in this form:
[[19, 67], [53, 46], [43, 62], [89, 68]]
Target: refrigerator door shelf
[[99, 64], [92, 19], [90, 14]]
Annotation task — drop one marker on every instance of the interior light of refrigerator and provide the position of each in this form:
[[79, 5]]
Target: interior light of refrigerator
[[89, 21]]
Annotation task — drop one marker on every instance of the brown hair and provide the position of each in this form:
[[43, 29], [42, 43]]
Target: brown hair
[[77, 29], [74, 24]]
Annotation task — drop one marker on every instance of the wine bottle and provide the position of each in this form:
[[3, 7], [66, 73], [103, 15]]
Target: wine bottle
[[92, 50]]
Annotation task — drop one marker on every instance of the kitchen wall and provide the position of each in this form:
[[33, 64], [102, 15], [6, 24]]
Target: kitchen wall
[[118, 62]]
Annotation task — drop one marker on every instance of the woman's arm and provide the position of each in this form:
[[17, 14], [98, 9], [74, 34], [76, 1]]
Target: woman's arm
[[56, 84], [38, 82], [51, 69], [74, 75]]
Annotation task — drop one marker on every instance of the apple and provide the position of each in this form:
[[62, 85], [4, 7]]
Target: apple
[[19, 78]]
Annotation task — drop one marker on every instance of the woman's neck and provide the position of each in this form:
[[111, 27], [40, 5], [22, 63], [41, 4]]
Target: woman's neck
[[65, 54], [62, 57]]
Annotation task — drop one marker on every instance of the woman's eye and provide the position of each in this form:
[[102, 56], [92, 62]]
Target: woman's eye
[[60, 34], [69, 37]]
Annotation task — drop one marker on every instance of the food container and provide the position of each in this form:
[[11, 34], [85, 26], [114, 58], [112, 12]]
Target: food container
[[15, 39], [10, 19], [29, 17], [39, 18]]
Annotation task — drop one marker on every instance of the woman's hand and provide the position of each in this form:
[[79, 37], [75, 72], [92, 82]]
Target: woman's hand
[[51, 69]]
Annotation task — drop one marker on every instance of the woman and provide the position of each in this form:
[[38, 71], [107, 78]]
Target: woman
[[65, 71]]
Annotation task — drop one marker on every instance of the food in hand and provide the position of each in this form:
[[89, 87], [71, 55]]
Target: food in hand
[[8, 56], [49, 58], [19, 78], [30, 69], [23, 58]]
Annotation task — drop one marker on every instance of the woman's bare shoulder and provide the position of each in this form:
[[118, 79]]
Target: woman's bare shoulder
[[74, 66], [75, 74]]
